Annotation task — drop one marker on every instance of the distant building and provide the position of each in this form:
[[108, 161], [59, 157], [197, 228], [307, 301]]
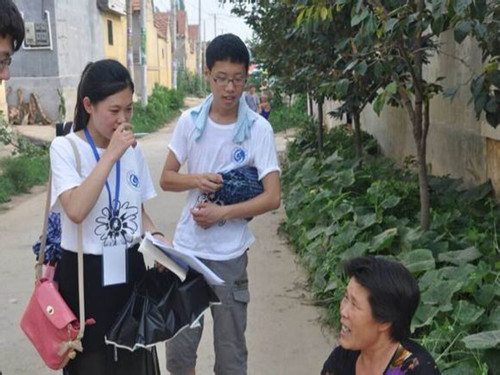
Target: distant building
[[158, 48], [63, 36]]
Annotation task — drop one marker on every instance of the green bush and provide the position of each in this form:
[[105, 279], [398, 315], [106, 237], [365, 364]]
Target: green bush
[[28, 165], [6, 189], [285, 117], [20, 173], [339, 208], [163, 106], [191, 84]]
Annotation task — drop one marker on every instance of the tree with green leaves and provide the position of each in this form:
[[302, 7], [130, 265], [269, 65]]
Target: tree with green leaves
[[398, 38], [355, 75], [298, 58], [378, 55]]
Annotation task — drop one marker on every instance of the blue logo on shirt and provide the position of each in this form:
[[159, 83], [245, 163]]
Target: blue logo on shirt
[[239, 155], [133, 180]]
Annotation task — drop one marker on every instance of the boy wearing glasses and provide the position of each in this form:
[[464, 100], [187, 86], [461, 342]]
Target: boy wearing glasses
[[11, 35], [220, 135]]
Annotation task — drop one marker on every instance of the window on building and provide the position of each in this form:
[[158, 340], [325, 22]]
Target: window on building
[[110, 32]]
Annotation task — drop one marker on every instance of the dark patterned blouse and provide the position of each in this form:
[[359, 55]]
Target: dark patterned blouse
[[410, 359]]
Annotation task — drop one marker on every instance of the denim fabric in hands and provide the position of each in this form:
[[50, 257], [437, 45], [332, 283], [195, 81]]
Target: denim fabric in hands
[[240, 184], [53, 244]]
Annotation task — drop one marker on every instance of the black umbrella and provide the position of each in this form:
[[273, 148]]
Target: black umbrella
[[159, 307]]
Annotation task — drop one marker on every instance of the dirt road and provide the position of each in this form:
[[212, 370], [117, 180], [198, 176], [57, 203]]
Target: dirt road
[[284, 336]]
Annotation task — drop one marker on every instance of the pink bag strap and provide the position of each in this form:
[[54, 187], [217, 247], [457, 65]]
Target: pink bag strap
[[43, 242]]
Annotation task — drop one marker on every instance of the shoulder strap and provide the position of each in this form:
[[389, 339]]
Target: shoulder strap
[[81, 291], [43, 241]]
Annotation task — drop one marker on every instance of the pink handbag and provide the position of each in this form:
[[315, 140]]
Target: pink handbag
[[48, 322], [51, 325]]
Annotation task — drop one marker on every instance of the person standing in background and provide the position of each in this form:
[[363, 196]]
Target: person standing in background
[[265, 90], [264, 107], [251, 98]]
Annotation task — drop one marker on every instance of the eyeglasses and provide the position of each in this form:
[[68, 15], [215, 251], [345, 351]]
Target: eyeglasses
[[5, 62], [224, 81]]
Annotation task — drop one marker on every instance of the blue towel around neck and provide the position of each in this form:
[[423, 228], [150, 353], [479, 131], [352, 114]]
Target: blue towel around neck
[[245, 120]]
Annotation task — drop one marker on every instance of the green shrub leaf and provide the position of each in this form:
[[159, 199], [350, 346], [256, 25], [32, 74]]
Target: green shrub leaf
[[467, 313], [460, 257], [418, 260], [383, 240], [440, 293], [482, 340]]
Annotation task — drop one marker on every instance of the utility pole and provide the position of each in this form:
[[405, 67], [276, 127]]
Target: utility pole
[[198, 57], [200, 67], [130, 50], [203, 63], [144, 66], [174, 42], [215, 25]]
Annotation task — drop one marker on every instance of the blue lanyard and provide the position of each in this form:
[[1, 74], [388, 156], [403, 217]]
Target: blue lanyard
[[114, 211]]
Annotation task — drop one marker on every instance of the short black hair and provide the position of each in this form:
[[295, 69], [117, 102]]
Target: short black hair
[[99, 80], [11, 23], [227, 47], [393, 291]]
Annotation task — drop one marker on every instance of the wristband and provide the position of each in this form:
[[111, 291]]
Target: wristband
[[160, 233]]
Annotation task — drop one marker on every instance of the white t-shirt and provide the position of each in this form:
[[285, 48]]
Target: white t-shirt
[[135, 188], [216, 152]]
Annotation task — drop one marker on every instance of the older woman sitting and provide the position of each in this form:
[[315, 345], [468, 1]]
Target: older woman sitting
[[375, 314]]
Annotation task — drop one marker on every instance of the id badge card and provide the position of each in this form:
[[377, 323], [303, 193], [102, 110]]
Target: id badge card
[[114, 265]]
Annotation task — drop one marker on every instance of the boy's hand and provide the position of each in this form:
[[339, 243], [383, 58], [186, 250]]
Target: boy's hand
[[207, 214], [209, 182]]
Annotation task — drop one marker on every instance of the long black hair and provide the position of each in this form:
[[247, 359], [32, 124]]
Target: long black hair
[[99, 80]]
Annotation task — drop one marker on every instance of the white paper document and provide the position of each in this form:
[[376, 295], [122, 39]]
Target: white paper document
[[178, 258], [154, 253], [114, 263]]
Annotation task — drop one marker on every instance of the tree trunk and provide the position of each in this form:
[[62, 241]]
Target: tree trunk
[[421, 126], [357, 134], [423, 184], [311, 103], [320, 125]]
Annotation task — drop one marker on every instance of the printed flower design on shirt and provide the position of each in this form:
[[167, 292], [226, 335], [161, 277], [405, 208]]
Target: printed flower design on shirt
[[119, 229], [402, 363]]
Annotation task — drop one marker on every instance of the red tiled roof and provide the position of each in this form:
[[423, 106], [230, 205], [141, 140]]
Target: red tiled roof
[[161, 21]]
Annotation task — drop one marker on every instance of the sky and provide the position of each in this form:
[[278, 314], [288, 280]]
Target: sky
[[225, 22]]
